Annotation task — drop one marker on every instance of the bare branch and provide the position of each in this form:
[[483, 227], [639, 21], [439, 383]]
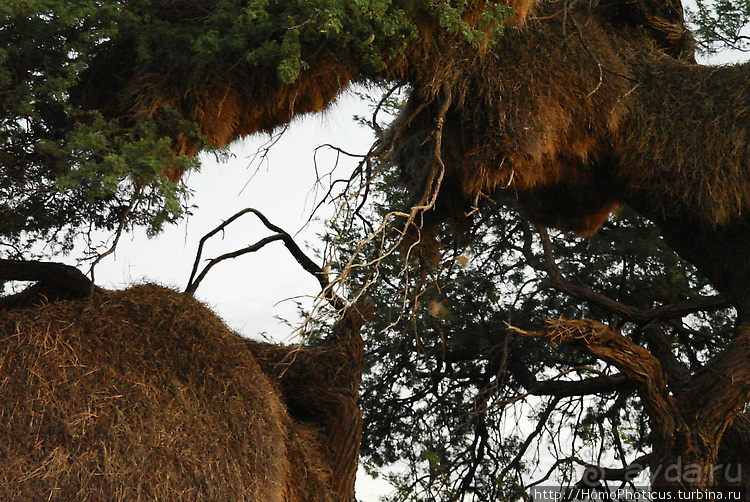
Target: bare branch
[[599, 340], [595, 473], [383, 100], [565, 388], [299, 255], [629, 313], [541, 422], [118, 233], [193, 285]]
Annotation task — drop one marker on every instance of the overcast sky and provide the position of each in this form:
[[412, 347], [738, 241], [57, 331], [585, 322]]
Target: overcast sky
[[248, 291]]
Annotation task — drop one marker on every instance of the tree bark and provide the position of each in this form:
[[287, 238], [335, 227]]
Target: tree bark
[[53, 281], [734, 453], [686, 426]]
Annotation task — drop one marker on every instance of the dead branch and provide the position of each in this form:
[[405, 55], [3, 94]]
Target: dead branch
[[383, 100], [118, 233], [307, 264], [432, 187], [193, 285]]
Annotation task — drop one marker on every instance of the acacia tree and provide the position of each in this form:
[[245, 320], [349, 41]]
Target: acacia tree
[[645, 156], [447, 381], [573, 108]]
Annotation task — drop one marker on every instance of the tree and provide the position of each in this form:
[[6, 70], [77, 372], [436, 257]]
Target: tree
[[446, 380], [572, 152], [573, 108], [720, 26], [105, 104]]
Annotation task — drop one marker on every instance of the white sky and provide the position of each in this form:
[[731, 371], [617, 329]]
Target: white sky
[[248, 291]]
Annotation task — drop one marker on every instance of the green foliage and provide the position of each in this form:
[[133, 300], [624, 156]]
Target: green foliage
[[451, 18], [65, 169], [446, 383], [448, 391], [721, 24]]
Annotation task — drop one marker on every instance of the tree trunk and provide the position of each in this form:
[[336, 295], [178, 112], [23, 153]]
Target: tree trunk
[[687, 421], [320, 387], [682, 159], [734, 453]]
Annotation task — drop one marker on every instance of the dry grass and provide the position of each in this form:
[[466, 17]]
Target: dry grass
[[575, 111], [144, 394]]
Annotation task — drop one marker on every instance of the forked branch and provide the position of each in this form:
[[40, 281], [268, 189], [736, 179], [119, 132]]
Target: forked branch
[[641, 317], [601, 341], [280, 235]]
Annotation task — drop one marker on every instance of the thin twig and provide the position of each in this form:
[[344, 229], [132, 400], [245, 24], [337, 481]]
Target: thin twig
[[120, 227], [193, 285]]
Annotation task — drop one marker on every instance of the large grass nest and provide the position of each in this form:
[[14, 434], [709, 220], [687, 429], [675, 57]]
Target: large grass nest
[[576, 108], [144, 394], [582, 107]]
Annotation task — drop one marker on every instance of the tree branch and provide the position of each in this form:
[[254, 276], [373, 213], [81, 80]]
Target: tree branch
[[307, 264], [193, 285], [541, 422], [721, 389], [58, 280], [628, 313], [562, 388], [595, 473], [634, 361], [659, 344]]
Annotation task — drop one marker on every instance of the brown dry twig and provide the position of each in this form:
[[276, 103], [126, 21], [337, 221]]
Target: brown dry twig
[[118, 233]]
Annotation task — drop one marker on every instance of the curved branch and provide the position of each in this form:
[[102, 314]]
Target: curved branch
[[634, 361], [193, 285], [595, 473], [281, 234], [628, 313], [721, 389], [564, 388], [541, 423], [599, 340]]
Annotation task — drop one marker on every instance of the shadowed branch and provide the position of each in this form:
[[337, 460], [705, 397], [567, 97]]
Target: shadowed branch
[[54, 280], [310, 266]]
